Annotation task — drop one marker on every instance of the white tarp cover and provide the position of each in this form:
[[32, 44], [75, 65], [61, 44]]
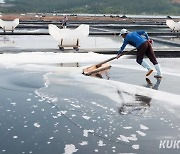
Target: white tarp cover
[[175, 26], [69, 36], [9, 25]]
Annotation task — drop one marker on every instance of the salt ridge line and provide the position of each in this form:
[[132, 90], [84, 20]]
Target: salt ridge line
[[135, 68], [50, 58], [38, 60], [109, 88], [47, 55]]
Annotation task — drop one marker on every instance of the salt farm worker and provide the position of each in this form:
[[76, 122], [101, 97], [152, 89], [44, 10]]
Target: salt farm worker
[[64, 22], [143, 45]]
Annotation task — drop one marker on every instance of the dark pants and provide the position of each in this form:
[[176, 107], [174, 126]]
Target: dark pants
[[64, 23], [146, 49]]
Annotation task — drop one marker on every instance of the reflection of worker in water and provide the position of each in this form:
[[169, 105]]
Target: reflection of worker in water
[[64, 21], [143, 45], [153, 86], [141, 103], [137, 106]]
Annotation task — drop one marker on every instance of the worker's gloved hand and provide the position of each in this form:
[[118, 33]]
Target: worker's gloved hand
[[119, 55], [150, 41]]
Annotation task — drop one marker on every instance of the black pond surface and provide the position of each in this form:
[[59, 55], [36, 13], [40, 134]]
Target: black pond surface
[[66, 112]]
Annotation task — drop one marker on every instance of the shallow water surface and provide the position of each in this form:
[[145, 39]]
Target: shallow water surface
[[45, 108]]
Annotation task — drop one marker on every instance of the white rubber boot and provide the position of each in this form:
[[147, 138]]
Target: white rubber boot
[[148, 67], [158, 69]]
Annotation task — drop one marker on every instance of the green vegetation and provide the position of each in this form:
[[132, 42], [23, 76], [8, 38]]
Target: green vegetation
[[94, 6]]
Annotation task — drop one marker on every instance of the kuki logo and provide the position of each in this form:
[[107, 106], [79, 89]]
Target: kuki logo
[[169, 144]]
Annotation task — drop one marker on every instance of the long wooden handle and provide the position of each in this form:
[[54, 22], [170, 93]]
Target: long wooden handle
[[124, 53], [110, 59]]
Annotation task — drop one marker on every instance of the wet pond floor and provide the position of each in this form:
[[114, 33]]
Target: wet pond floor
[[46, 108]]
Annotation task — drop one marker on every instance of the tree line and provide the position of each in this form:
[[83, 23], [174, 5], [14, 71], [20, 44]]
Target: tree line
[[94, 6]]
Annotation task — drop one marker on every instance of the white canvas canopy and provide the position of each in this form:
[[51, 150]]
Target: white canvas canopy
[[68, 37], [9, 25], [174, 26]]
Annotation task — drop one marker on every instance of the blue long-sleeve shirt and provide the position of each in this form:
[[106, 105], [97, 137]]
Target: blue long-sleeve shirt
[[135, 39]]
